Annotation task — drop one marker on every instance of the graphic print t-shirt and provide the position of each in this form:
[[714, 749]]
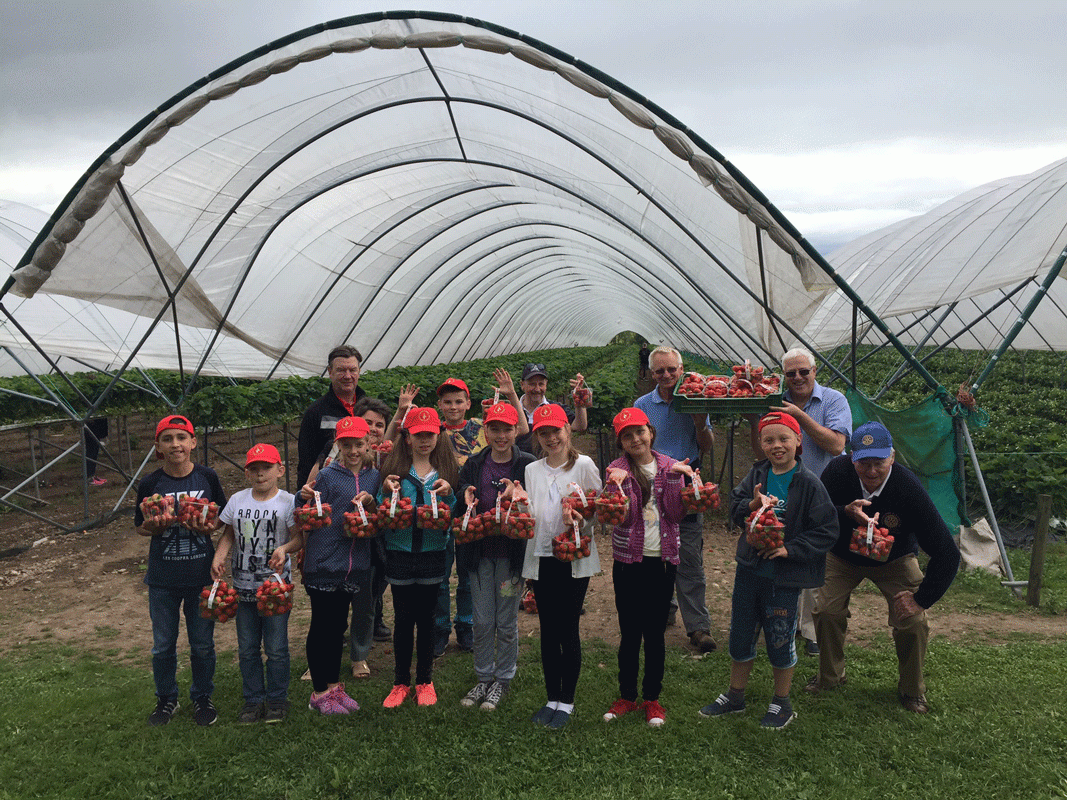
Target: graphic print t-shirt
[[259, 527], [180, 557]]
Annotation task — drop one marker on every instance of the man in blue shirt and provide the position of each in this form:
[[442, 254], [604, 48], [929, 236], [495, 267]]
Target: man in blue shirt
[[826, 424], [682, 436]]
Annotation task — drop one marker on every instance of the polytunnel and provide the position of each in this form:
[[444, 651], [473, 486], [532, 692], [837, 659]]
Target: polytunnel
[[429, 187]]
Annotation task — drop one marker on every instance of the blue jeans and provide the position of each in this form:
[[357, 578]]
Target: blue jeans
[[273, 632], [759, 604], [164, 609], [464, 604]]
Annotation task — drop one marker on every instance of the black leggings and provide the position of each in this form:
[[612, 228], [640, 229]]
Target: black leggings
[[413, 609], [559, 608], [325, 641], [642, 597]]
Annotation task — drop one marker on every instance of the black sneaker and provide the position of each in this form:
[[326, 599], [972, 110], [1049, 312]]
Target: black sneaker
[[440, 643], [276, 712], [381, 632], [165, 710], [722, 705], [777, 716], [250, 714], [204, 712]]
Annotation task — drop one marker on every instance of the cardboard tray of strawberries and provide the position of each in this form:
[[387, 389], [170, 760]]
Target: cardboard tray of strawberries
[[749, 390]]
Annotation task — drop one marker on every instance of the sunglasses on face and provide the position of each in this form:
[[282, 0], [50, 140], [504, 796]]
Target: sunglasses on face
[[803, 373], [665, 370]]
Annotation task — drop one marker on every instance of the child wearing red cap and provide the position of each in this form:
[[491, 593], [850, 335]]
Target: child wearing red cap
[[421, 463], [179, 566], [767, 582], [259, 521], [494, 565], [560, 586], [337, 568], [645, 547]]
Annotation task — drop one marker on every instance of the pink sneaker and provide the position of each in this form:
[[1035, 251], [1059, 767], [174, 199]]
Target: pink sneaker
[[397, 696], [343, 698], [327, 704], [425, 694], [97, 481]]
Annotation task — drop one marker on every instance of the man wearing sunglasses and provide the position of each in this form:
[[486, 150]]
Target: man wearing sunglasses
[[825, 424], [682, 436]]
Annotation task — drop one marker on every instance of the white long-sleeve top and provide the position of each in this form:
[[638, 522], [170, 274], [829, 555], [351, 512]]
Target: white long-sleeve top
[[547, 486]]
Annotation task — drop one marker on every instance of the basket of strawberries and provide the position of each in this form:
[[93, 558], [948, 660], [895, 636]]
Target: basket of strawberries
[[571, 544], [197, 513], [612, 506], [699, 497], [433, 515], [274, 596], [871, 541], [763, 530], [159, 509], [218, 602], [361, 523], [582, 501], [397, 512], [313, 515], [470, 527]]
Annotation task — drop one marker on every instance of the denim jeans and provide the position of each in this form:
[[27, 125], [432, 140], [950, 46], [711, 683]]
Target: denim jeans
[[464, 604], [273, 632], [760, 605], [164, 609]]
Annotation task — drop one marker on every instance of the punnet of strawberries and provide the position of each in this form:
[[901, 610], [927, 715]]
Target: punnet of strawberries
[[612, 506], [708, 499], [566, 548], [469, 527], [308, 517], [747, 380], [157, 506], [518, 523], [197, 512], [767, 533], [274, 597], [582, 397], [361, 526], [424, 516], [402, 516], [222, 606], [494, 517], [878, 547], [585, 507]]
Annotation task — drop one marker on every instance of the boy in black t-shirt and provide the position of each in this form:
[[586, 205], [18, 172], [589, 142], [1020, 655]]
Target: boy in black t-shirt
[[179, 566]]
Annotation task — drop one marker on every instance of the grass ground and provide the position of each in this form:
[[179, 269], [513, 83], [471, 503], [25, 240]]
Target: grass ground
[[73, 725]]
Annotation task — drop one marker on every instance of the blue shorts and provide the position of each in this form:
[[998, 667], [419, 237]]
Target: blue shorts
[[760, 605]]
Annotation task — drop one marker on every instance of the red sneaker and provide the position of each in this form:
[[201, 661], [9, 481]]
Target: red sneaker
[[397, 696], [425, 694], [655, 713], [620, 707]]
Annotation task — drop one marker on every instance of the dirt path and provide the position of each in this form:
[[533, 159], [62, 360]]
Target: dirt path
[[86, 590]]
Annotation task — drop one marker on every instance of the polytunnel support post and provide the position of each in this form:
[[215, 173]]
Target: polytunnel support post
[[1023, 318], [989, 509]]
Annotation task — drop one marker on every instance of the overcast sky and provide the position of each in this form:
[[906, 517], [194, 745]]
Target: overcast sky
[[847, 115]]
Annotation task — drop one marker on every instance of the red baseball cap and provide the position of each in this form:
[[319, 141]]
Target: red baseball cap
[[351, 428], [778, 418], [501, 412], [453, 383], [422, 420], [176, 422], [549, 415], [628, 417], [263, 452]]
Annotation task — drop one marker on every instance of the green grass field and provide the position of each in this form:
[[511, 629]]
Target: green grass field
[[73, 725]]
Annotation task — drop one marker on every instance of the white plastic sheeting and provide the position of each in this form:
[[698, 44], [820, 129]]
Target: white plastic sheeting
[[428, 188], [962, 272]]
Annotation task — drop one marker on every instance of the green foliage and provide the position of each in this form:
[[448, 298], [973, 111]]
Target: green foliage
[[988, 705]]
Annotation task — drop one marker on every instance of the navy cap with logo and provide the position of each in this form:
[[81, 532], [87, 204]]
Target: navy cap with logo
[[530, 370], [871, 440]]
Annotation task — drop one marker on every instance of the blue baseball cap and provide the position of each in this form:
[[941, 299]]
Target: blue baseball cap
[[871, 440]]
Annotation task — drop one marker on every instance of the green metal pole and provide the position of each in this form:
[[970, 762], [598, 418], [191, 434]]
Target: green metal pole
[[1024, 317]]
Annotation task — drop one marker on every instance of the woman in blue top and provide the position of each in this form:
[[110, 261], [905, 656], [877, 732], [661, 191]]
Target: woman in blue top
[[421, 463]]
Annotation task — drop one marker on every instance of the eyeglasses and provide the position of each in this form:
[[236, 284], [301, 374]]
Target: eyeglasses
[[665, 370], [794, 372]]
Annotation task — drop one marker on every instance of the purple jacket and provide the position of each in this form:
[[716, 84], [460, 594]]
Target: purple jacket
[[628, 539]]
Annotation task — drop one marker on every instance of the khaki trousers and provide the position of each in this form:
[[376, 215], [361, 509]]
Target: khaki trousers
[[832, 613]]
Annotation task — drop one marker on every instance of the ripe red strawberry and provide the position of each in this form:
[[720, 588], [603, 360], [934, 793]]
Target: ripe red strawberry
[[519, 524], [565, 549]]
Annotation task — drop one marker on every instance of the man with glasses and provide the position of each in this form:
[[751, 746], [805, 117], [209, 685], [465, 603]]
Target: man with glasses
[[682, 436], [825, 423], [534, 384]]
